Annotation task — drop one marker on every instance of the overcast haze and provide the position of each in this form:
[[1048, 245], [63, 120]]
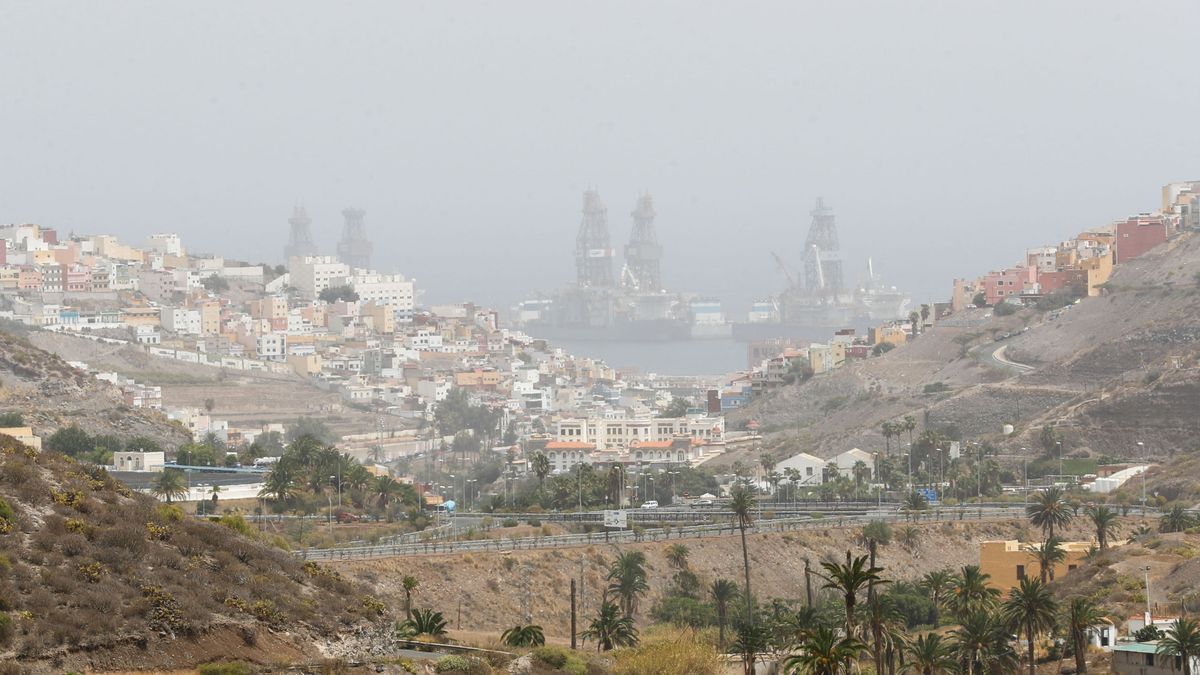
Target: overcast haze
[[947, 136]]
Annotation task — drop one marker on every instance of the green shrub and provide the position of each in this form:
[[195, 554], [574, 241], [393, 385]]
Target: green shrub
[[6, 628], [534, 522], [6, 511], [509, 522], [230, 668], [878, 530], [237, 524], [453, 663], [555, 657]]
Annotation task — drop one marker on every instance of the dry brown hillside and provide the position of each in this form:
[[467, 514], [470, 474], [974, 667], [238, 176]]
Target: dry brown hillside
[[486, 590], [51, 394], [94, 577], [1109, 371]]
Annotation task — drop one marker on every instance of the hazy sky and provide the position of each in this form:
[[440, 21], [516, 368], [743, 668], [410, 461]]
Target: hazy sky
[[948, 136]]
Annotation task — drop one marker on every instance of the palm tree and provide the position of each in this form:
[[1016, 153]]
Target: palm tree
[[1080, 615], [909, 537], [909, 424], [1030, 609], [970, 592], [824, 652], [409, 584], [541, 467], [752, 639], [888, 430], [723, 591], [423, 622], [928, 655], [1049, 510], [937, 584], [170, 484], [1104, 520], [627, 580], [385, 491], [851, 579], [981, 644], [609, 629], [1182, 641], [742, 503], [1175, 520], [530, 635], [616, 483], [1048, 555], [280, 483], [914, 504], [677, 556]]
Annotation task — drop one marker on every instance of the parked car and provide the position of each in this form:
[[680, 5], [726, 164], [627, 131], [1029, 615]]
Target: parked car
[[652, 504]]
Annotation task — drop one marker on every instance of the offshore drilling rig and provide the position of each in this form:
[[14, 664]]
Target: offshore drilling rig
[[632, 306], [823, 302], [300, 242], [354, 249]]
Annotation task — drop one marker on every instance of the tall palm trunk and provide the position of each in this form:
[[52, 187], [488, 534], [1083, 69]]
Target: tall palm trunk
[[1029, 639], [1079, 640], [746, 568]]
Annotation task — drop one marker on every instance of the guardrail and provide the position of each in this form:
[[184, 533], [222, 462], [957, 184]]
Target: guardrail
[[619, 536]]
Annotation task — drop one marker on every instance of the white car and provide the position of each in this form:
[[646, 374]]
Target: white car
[[652, 504]]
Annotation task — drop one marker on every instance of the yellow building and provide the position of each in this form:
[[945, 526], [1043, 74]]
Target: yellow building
[[1099, 269], [382, 317], [210, 317], [892, 335], [1007, 562], [477, 378]]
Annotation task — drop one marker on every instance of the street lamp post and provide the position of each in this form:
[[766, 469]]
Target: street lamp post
[[908, 451], [1142, 448], [1060, 463]]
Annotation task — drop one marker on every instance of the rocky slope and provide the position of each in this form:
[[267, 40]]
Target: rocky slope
[[95, 577], [1108, 371], [50, 394]]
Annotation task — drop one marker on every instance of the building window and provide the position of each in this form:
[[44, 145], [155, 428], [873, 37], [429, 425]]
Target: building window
[[1020, 572]]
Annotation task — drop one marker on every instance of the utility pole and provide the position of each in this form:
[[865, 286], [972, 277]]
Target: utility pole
[[572, 614]]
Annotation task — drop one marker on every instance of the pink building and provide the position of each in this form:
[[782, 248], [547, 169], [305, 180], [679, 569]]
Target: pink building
[[1139, 234], [77, 279], [999, 286]]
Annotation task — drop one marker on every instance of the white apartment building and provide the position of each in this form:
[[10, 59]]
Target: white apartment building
[[386, 289], [166, 244], [617, 433], [312, 274], [271, 346], [433, 391], [181, 321]]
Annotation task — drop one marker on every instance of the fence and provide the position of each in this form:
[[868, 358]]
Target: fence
[[613, 537]]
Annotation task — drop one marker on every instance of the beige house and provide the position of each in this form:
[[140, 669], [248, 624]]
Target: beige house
[[1007, 562]]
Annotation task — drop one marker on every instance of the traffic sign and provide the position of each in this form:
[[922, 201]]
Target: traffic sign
[[930, 494], [618, 519]]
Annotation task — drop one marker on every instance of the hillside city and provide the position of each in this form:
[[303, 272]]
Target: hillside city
[[465, 496]]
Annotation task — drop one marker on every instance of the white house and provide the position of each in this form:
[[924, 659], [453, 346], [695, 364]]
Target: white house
[[810, 468], [139, 461], [845, 462]]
